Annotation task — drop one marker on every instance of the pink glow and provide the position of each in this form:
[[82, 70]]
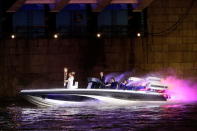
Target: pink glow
[[181, 90]]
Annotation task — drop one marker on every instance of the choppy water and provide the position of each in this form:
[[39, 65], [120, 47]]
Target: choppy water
[[135, 116]]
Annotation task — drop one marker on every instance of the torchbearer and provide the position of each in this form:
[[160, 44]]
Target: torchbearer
[[65, 75]]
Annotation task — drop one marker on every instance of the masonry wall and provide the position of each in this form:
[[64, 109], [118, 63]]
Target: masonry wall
[[177, 48], [39, 63]]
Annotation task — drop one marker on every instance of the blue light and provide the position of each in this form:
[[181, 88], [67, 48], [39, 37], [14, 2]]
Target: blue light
[[32, 7], [75, 7], [117, 7]]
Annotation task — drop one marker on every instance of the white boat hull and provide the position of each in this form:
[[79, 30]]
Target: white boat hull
[[52, 97]]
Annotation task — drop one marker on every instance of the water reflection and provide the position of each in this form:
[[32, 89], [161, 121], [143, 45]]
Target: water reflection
[[131, 116]]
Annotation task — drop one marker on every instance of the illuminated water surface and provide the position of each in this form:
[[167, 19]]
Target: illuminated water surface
[[133, 116]]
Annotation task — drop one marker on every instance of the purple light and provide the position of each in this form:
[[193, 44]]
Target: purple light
[[109, 76], [119, 77], [181, 90]]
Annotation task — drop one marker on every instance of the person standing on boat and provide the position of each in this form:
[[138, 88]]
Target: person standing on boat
[[102, 79], [65, 75], [75, 83], [73, 73], [70, 80]]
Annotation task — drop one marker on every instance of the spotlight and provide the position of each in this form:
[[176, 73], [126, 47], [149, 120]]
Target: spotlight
[[13, 36], [138, 34], [98, 35], [55, 36]]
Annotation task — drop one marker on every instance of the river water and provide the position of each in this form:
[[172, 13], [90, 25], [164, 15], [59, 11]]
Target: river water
[[133, 116]]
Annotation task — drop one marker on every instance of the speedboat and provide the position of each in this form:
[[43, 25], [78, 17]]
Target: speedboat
[[62, 96]]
